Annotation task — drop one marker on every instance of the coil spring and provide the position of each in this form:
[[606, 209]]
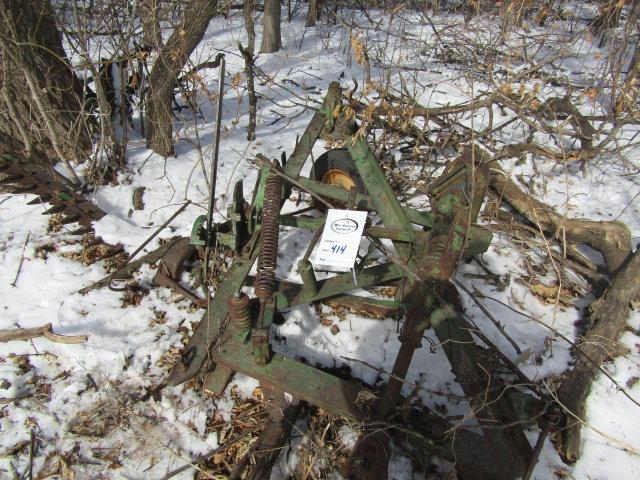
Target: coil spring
[[266, 279], [240, 311]]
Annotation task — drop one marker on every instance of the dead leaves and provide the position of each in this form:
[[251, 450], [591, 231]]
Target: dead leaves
[[550, 294], [57, 465], [248, 416], [359, 50], [97, 422]]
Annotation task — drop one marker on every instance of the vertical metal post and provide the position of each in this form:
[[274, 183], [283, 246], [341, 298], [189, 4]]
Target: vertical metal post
[[214, 169]]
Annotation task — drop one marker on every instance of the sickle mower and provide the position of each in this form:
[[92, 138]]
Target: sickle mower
[[233, 335]]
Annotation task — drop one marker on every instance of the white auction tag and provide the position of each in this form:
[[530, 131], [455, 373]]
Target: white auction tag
[[340, 240]]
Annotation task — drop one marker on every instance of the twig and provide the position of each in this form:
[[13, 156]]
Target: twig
[[15, 280], [625, 446], [43, 331], [574, 345], [315, 454], [200, 458], [490, 317], [31, 452]]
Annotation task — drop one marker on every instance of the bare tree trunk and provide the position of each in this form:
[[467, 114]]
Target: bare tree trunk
[[107, 154], [629, 89], [150, 20], [626, 100], [164, 75], [44, 99], [312, 14], [271, 39], [248, 54]]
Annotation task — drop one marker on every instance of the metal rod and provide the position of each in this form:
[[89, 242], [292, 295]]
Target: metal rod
[[145, 243], [214, 167], [159, 229], [314, 240], [216, 143]]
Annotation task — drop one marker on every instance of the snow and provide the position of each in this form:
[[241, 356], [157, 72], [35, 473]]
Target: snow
[[106, 386]]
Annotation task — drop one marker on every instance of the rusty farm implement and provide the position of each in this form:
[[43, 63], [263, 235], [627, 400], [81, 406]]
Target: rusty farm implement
[[233, 335]]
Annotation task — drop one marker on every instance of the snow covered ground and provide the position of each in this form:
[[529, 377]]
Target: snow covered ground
[[92, 406]]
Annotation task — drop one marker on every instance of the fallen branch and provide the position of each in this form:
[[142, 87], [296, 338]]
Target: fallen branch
[[427, 112], [517, 149], [608, 315], [611, 238], [43, 331]]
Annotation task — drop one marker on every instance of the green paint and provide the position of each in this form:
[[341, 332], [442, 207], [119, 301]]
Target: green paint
[[382, 196], [457, 242], [308, 223], [325, 116], [293, 295], [299, 379], [209, 326], [198, 231], [445, 204]]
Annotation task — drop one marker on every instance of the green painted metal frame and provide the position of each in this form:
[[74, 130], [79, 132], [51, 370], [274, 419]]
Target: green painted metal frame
[[432, 255], [210, 327]]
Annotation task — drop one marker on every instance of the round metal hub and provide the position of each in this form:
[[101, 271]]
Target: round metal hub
[[338, 177]]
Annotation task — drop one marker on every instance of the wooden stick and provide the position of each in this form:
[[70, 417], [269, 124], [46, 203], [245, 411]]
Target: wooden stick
[[15, 280], [608, 315], [43, 331], [611, 238]]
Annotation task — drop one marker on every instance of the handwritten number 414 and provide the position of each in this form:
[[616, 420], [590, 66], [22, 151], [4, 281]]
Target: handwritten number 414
[[338, 248]]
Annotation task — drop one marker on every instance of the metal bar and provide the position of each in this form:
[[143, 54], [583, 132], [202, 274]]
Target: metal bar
[[334, 192], [362, 201], [214, 169], [308, 223], [473, 374], [311, 223], [369, 307], [394, 234], [304, 146], [424, 219], [289, 375], [340, 396], [208, 329], [435, 264], [159, 229], [216, 142], [291, 296], [383, 198], [421, 304], [466, 449]]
